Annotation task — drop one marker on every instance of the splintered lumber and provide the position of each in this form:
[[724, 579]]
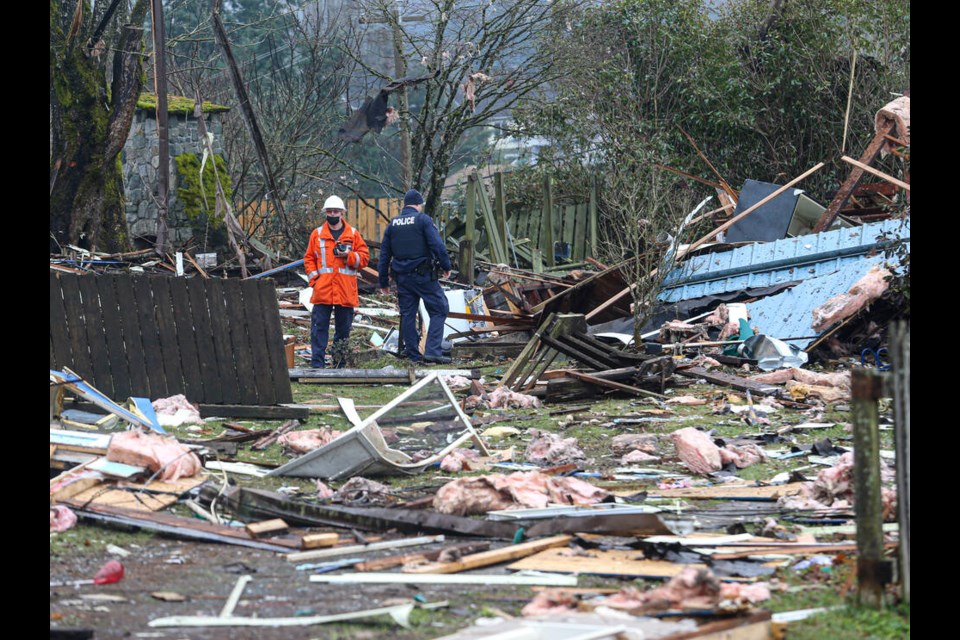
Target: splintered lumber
[[267, 528], [360, 548], [389, 562], [494, 556], [600, 382], [319, 540], [176, 525], [727, 380], [793, 549], [615, 562], [267, 412], [545, 579], [152, 496], [876, 172]]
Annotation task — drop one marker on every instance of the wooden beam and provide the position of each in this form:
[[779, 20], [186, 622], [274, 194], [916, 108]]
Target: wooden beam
[[546, 222], [600, 382], [389, 562], [869, 156], [494, 556], [253, 411], [876, 172], [267, 528], [319, 540]]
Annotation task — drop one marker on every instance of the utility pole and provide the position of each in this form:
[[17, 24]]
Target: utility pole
[[400, 71]]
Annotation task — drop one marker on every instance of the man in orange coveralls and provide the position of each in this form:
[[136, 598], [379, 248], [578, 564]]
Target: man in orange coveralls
[[335, 253]]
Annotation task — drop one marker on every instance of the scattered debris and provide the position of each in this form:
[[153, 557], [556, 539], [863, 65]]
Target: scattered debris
[[478, 495], [550, 449], [162, 455]]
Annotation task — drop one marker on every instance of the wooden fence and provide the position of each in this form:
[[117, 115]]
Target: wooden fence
[[215, 341], [361, 215]]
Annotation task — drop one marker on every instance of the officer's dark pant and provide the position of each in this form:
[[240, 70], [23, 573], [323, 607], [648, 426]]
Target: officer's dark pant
[[320, 333], [411, 288]]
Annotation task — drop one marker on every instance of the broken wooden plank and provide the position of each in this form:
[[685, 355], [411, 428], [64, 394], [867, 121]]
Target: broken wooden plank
[[494, 556], [615, 562], [148, 497], [361, 548], [175, 525], [276, 412], [727, 380], [389, 562], [614, 385], [319, 540], [846, 189], [267, 528], [876, 172]]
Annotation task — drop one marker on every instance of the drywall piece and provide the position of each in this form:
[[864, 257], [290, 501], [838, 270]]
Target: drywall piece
[[362, 449], [524, 578]]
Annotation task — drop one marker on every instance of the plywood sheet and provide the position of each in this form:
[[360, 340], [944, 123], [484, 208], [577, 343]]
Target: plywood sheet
[[609, 563], [139, 497]]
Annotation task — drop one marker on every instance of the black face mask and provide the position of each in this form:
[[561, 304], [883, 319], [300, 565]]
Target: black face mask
[[334, 220]]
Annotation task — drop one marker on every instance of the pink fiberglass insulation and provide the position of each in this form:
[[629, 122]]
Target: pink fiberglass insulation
[[61, 518], [519, 490], [323, 491], [309, 439], [164, 454], [550, 449], [503, 398], [696, 450], [867, 289], [691, 588], [638, 457], [550, 602], [459, 460], [627, 442], [742, 455], [840, 379]]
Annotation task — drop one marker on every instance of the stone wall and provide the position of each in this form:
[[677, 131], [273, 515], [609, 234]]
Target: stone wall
[[141, 157]]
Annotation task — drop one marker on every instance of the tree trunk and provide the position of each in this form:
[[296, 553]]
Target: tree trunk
[[88, 130]]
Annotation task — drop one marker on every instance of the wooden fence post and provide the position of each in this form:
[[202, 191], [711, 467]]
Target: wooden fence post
[[500, 212], [872, 570], [546, 222], [592, 215], [466, 244], [900, 364]]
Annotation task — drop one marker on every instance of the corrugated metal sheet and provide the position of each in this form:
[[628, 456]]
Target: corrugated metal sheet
[[778, 262], [790, 314]]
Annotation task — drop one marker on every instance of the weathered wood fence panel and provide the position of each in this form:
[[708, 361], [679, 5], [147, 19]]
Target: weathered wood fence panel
[[215, 341]]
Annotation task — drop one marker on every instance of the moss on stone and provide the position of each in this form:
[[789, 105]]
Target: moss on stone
[[178, 104], [200, 204]]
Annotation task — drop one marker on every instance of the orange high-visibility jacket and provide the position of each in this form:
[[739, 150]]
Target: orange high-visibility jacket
[[334, 279]]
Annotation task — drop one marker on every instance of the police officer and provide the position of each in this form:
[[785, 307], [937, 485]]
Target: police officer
[[335, 253], [412, 243]]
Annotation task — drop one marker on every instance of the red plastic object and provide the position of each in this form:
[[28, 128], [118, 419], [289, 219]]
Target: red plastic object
[[109, 573]]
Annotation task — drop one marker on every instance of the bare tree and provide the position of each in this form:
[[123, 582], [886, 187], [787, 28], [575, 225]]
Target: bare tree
[[484, 58]]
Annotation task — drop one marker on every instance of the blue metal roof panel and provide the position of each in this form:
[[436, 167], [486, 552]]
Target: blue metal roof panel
[[778, 262], [790, 314]]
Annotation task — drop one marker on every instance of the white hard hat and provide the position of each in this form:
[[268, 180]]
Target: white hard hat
[[334, 202]]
